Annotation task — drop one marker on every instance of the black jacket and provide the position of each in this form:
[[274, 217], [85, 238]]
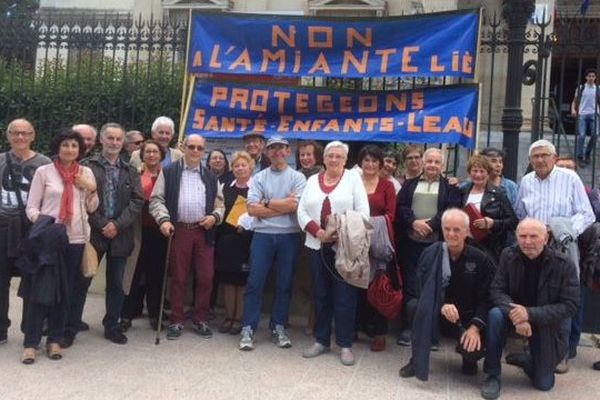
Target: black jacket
[[42, 265], [472, 282], [495, 205], [557, 299], [448, 197], [127, 209]]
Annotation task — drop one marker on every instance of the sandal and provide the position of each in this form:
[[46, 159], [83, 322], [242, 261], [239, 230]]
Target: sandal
[[28, 356], [54, 351], [225, 325], [236, 327]]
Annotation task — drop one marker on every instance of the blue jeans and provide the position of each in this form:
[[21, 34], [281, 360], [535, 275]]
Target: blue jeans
[[56, 314], [115, 268], [586, 124], [266, 250], [334, 300], [497, 329]]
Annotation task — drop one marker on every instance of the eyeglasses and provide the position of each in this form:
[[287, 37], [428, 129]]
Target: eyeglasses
[[137, 142], [21, 133], [194, 147]]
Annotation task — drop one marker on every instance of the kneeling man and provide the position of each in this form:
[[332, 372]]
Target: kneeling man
[[535, 292], [454, 280]]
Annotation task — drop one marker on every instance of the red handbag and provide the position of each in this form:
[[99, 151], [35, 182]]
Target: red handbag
[[382, 295]]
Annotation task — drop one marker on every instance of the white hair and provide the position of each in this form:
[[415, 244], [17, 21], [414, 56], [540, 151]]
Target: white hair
[[90, 127], [432, 150], [338, 144], [163, 121], [542, 143], [456, 211]]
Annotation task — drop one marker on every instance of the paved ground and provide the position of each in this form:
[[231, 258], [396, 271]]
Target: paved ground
[[195, 368]]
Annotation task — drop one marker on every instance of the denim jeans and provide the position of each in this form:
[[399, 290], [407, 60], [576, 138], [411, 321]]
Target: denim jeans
[[266, 250], [115, 268], [334, 300], [498, 327], [5, 271], [586, 124], [56, 314]]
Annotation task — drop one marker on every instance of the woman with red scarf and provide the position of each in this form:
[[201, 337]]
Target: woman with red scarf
[[65, 191]]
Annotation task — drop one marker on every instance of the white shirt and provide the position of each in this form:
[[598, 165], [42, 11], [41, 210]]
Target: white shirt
[[349, 194], [561, 194], [587, 106], [475, 199]]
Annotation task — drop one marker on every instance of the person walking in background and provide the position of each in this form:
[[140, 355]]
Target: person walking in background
[[586, 108]]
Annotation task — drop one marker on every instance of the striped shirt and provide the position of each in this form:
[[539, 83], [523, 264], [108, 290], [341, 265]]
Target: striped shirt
[[192, 196], [561, 194]]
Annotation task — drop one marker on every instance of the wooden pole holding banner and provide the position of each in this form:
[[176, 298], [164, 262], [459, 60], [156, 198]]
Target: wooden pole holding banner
[[476, 79], [187, 107], [182, 117]]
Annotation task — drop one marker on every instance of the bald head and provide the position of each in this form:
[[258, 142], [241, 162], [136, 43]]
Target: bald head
[[88, 133], [20, 135], [532, 236]]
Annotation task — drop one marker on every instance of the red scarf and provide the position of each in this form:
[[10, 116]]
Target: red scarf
[[66, 201]]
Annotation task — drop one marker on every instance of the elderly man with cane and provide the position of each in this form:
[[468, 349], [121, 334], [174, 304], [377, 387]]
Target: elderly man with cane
[[187, 203]]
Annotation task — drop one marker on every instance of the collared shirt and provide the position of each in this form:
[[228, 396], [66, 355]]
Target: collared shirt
[[167, 160], [192, 196], [560, 194], [111, 185]]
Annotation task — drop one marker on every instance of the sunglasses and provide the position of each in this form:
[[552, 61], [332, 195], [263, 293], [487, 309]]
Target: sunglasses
[[194, 147]]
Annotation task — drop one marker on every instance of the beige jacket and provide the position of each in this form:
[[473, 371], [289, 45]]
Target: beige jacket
[[352, 248]]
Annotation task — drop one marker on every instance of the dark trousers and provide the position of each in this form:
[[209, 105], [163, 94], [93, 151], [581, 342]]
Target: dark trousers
[[147, 280], [56, 314], [335, 300], [5, 274], [498, 327], [367, 316], [576, 327], [189, 250], [115, 268], [409, 252], [77, 298]]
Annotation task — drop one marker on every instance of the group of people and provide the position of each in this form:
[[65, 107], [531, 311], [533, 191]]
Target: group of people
[[476, 260]]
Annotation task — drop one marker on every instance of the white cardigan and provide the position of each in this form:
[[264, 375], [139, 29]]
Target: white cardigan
[[349, 194]]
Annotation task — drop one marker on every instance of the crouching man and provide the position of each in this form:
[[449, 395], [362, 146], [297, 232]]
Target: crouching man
[[454, 280], [534, 293]]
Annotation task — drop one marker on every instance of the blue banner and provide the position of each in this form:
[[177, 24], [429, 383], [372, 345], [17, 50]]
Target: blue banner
[[445, 114], [429, 45]]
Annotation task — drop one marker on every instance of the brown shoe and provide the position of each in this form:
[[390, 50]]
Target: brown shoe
[[54, 351], [28, 356]]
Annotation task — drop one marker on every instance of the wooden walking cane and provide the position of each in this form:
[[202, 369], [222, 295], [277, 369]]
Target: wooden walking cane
[[162, 296]]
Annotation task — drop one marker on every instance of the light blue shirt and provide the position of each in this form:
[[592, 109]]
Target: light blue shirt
[[270, 184]]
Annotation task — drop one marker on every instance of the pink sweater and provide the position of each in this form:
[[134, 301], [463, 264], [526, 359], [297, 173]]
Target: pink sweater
[[45, 195]]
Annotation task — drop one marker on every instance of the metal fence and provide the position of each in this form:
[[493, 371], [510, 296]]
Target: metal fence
[[58, 72]]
